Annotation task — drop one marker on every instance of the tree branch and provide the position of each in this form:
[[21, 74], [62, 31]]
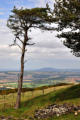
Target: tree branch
[[19, 46], [45, 28], [15, 44], [30, 44], [19, 39]]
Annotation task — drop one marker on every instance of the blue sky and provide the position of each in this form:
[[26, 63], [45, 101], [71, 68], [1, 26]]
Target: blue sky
[[7, 5], [51, 53]]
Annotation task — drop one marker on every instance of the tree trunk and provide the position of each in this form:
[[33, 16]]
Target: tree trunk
[[20, 82]]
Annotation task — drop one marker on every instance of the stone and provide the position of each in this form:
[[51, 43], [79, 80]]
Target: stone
[[57, 110], [76, 113]]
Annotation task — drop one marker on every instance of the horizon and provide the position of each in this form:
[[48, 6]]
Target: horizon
[[38, 69]]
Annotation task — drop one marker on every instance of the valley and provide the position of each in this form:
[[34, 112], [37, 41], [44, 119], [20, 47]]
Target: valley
[[43, 77]]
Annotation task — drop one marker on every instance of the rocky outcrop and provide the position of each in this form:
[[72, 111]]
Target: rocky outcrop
[[57, 110]]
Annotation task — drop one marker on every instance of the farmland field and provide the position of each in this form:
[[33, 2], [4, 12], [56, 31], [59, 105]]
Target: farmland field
[[38, 78]]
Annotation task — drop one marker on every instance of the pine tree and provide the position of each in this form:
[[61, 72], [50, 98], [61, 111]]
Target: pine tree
[[20, 22], [67, 14]]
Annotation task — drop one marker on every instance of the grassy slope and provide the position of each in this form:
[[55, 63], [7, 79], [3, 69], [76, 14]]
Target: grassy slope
[[9, 100], [67, 95]]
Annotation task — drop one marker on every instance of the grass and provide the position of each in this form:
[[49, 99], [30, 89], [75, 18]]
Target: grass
[[6, 101], [61, 95]]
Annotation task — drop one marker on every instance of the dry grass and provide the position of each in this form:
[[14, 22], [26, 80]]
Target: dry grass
[[8, 101]]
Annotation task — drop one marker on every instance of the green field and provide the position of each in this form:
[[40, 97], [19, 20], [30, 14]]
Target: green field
[[14, 85], [62, 94], [38, 78]]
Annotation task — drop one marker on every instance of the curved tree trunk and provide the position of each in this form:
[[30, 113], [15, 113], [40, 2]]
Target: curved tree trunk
[[20, 82]]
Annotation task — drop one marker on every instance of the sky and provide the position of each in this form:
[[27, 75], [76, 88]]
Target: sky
[[48, 51]]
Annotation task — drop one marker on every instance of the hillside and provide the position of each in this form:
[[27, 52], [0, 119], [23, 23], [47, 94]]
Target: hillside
[[70, 95]]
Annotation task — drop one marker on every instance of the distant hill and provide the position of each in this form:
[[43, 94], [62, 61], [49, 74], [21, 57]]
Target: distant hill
[[56, 70], [48, 70]]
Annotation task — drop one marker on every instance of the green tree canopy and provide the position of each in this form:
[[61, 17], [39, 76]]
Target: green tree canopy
[[67, 14], [23, 19]]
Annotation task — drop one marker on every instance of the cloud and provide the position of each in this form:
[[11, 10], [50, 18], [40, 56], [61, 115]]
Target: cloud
[[46, 42], [48, 50]]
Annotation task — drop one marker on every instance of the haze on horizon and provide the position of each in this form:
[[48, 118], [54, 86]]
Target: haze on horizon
[[48, 51]]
